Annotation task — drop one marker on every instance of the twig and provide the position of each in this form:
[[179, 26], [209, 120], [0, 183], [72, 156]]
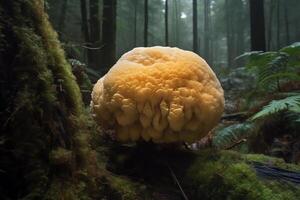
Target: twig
[[177, 182], [236, 143], [84, 46], [240, 116], [11, 116]]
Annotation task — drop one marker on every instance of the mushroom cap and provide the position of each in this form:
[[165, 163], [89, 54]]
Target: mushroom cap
[[161, 94]]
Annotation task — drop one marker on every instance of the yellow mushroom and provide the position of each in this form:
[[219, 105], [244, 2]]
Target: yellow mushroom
[[161, 94]]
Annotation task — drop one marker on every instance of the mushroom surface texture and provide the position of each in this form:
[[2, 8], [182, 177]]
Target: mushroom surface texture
[[157, 93]]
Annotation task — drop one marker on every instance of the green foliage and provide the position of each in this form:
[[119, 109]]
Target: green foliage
[[123, 188], [294, 54], [229, 175], [229, 136], [272, 69], [290, 104]]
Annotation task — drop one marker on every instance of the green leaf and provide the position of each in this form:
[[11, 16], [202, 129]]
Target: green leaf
[[291, 104], [228, 136]]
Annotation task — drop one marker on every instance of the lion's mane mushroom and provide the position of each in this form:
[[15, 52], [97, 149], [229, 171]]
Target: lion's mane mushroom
[[161, 94]]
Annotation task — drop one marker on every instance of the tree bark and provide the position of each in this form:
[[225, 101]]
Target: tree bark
[[84, 21], [278, 25], [257, 21], [195, 27], [286, 19], [240, 30], [146, 23], [41, 111], [176, 23], [229, 34], [85, 28], [135, 22], [269, 36], [167, 22], [109, 34], [207, 30], [95, 35], [62, 17]]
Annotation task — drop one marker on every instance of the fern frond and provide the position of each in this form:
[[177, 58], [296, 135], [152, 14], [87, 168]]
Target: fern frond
[[286, 75], [230, 135], [247, 54], [294, 54], [274, 68], [291, 104]]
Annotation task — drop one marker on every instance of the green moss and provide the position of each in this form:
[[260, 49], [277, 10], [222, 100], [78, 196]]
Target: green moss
[[41, 109], [229, 175], [277, 162], [124, 187], [60, 156]]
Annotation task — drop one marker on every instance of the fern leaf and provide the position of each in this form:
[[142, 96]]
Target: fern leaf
[[247, 54], [294, 54], [228, 136], [291, 104]]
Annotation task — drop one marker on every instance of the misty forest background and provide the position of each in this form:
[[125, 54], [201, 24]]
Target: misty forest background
[[98, 32], [52, 149]]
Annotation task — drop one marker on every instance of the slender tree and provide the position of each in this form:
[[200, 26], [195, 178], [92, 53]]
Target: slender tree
[[286, 22], [95, 35], [85, 28], [176, 23], [207, 30], [84, 20], [195, 27], [146, 23], [228, 33], [257, 20], [240, 30], [269, 25], [278, 24], [62, 17], [167, 22], [109, 33], [135, 22]]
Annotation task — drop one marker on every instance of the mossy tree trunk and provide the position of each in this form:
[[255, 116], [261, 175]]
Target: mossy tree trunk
[[41, 110]]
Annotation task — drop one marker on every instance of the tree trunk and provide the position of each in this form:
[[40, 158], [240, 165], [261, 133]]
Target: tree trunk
[[146, 23], [278, 25], [135, 23], [85, 27], [176, 23], [240, 29], [286, 19], [167, 22], [95, 35], [229, 41], [195, 27], [269, 37], [62, 17], [41, 111], [109, 34], [257, 20], [207, 30]]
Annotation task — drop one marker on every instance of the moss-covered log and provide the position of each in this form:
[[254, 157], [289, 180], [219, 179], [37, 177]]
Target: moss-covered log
[[42, 120]]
